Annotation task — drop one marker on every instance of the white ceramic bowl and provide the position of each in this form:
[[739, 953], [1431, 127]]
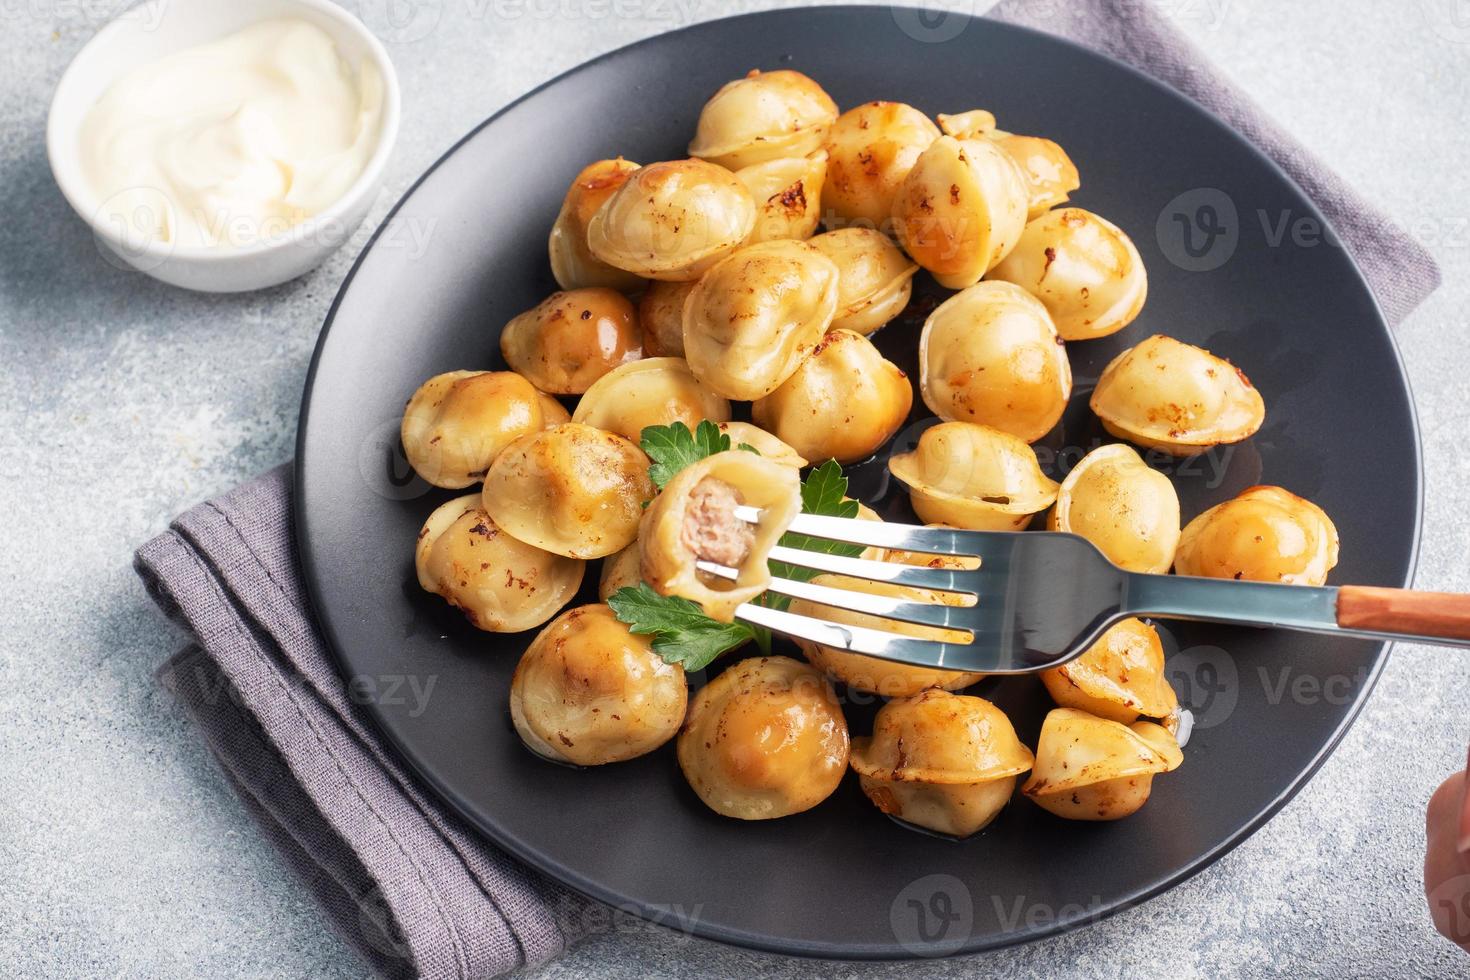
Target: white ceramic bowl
[[161, 27]]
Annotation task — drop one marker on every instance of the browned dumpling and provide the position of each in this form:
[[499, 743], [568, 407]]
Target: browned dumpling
[[945, 762], [588, 691], [764, 739], [763, 116], [788, 196], [661, 315], [990, 354], [620, 571], [842, 403], [572, 263], [1168, 395], [572, 490], [694, 520], [458, 422], [961, 209], [1090, 768], [570, 339], [1049, 173], [653, 391], [1131, 512], [1266, 534], [752, 318], [501, 585], [743, 433], [874, 279], [873, 674], [553, 412], [672, 220], [1083, 268], [975, 477], [1120, 677], [870, 150]]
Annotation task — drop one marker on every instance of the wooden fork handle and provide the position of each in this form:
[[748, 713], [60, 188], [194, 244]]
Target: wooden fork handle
[[1378, 610]]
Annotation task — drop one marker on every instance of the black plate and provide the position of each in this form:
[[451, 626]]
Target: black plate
[[841, 880]]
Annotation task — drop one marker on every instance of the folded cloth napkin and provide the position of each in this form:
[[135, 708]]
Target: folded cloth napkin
[[1400, 270], [402, 879]]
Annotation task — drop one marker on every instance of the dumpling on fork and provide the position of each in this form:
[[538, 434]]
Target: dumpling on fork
[[695, 519]]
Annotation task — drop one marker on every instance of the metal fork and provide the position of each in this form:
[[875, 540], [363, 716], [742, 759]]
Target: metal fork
[[1038, 600]]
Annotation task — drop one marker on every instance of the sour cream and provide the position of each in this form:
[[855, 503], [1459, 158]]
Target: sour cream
[[235, 142]]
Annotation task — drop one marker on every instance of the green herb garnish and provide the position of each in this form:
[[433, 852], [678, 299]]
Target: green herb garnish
[[682, 633]]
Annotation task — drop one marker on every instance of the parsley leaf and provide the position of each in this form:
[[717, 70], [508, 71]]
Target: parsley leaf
[[824, 492], [682, 633], [673, 447]]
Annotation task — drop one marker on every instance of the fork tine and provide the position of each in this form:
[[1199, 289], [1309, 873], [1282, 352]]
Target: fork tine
[[943, 579], [855, 639], [920, 613], [984, 654], [878, 534]]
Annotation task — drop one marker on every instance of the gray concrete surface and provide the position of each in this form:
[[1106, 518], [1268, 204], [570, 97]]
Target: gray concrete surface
[[124, 401]]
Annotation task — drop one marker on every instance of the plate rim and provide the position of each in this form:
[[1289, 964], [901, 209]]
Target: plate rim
[[739, 938]]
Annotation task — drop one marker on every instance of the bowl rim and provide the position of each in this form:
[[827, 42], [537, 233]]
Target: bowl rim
[[78, 196]]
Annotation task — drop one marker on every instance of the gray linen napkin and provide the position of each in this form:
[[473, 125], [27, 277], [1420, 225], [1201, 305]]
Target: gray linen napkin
[[1400, 270], [402, 879]]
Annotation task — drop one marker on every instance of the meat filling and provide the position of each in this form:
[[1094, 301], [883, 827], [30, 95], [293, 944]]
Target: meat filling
[[711, 529]]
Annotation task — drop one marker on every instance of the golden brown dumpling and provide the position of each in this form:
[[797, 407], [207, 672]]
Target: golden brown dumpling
[[1090, 768], [672, 220], [1120, 677], [788, 196], [553, 412], [572, 490], [1266, 534], [571, 339], [873, 674], [763, 116], [572, 263], [870, 151], [874, 279], [1083, 268], [661, 315], [501, 585], [1131, 512], [588, 691], [694, 519], [974, 477], [764, 739], [1175, 397], [961, 209], [458, 422], [743, 433], [1049, 173], [945, 762], [754, 316], [990, 354], [842, 403], [653, 391], [620, 571]]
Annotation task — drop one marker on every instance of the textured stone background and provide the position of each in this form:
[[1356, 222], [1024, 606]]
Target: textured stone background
[[124, 401]]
